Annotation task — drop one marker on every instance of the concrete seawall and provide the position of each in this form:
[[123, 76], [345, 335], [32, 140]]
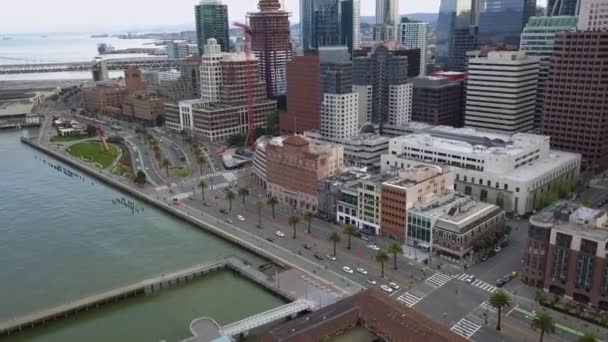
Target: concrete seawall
[[146, 287]]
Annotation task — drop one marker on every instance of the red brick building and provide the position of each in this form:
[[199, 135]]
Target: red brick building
[[133, 79], [104, 97], [303, 95]]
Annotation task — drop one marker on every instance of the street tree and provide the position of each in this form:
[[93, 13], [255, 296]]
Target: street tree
[[140, 178], [335, 238], [394, 249], [349, 230], [499, 300], [202, 185], [272, 202], [159, 157], [382, 257], [293, 221], [588, 337], [308, 217], [201, 161], [166, 164], [543, 322], [260, 204], [230, 196], [243, 192]]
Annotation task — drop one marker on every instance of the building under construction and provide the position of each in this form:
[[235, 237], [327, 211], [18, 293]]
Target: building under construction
[[270, 42]]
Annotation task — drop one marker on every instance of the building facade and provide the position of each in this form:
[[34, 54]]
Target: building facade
[[143, 107], [303, 95], [502, 21], [270, 42], [361, 150], [134, 80], [592, 15], [387, 19], [556, 8], [414, 35], [457, 30], [104, 97], [537, 41], [211, 22], [211, 71], [177, 50], [350, 24], [438, 101], [501, 92], [574, 115]]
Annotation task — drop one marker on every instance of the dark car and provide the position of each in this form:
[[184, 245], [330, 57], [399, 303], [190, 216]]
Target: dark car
[[224, 211], [484, 258], [269, 239], [500, 282], [307, 247], [318, 256], [259, 226]]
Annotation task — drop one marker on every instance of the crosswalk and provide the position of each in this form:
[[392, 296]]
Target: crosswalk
[[463, 276], [438, 279], [212, 175], [409, 299], [486, 305], [220, 186], [484, 286], [465, 328], [161, 188]]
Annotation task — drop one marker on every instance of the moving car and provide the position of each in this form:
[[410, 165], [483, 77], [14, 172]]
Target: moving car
[[361, 270], [280, 234], [371, 282], [224, 211], [373, 247], [229, 221], [500, 282], [307, 247], [347, 270], [470, 279], [259, 226], [386, 288], [240, 218], [269, 239], [318, 256], [394, 286], [331, 257]]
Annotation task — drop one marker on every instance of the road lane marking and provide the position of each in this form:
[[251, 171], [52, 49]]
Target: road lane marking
[[438, 279], [465, 328], [516, 306], [409, 299]]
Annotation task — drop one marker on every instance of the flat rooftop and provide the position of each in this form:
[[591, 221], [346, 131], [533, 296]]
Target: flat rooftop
[[19, 107]]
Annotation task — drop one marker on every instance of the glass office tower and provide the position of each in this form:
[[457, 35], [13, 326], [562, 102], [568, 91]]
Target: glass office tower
[[503, 21], [456, 33]]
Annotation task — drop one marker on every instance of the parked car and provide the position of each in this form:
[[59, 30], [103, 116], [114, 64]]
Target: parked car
[[497, 249], [500, 282], [318, 257], [470, 279], [394, 286], [307, 247], [371, 282], [240, 218], [224, 211], [348, 270], [484, 258], [361, 270], [386, 288], [228, 221], [373, 247], [331, 257], [259, 226], [364, 238], [280, 234], [269, 239]]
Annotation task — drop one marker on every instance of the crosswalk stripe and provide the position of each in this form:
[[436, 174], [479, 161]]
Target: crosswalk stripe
[[463, 276], [438, 279], [484, 286], [409, 299], [486, 305], [220, 186], [465, 328]]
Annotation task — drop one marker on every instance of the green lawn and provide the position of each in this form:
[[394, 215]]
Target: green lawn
[[92, 152], [59, 138]]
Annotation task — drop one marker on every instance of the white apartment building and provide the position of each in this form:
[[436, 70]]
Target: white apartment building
[[211, 71], [501, 92], [339, 115], [365, 103], [414, 35], [400, 104], [512, 171], [593, 15]]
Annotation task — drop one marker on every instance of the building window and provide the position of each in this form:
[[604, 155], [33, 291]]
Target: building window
[[468, 190]]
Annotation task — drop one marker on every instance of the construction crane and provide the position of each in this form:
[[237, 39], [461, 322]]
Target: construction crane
[[250, 84]]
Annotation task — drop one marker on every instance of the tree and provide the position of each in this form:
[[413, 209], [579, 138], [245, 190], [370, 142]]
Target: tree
[[588, 337], [335, 238], [202, 185], [243, 192], [166, 164], [543, 322], [140, 178], [348, 230], [293, 221], [260, 204], [158, 157], [201, 161], [382, 257], [394, 249], [308, 217], [91, 130], [272, 202], [230, 196], [499, 300]]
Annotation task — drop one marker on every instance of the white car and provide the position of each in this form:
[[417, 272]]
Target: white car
[[361, 270], [470, 279], [394, 286], [331, 257], [347, 270], [497, 249], [240, 218], [386, 288], [373, 247], [372, 282], [280, 234]]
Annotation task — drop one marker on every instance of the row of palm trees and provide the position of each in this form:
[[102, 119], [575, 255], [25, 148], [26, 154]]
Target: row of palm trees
[[542, 322], [149, 140]]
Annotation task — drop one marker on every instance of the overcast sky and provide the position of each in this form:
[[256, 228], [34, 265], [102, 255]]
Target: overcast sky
[[90, 15]]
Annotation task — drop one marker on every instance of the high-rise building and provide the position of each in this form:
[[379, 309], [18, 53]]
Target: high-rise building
[[502, 21], [350, 24], [387, 14], [386, 72], [303, 95], [537, 40], [501, 92], [592, 15], [457, 27], [320, 24], [211, 71], [438, 101], [177, 50], [575, 114], [270, 41], [212, 22], [413, 34], [562, 7]]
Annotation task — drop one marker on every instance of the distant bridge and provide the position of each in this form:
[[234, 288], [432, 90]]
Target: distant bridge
[[150, 63]]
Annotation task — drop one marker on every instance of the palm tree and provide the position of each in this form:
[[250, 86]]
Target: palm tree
[[543, 322], [308, 217], [230, 196], [260, 204], [202, 185], [499, 300], [243, 192], [293, 221], [349, 230], [166, 164], [335, 238], [158, 157], [201, 162], [272, 202], [394, 249], [382, 257], [588, 337]]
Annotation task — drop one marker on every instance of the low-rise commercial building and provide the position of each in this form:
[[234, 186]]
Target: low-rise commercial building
[[361, 150], [566, 253], [143, 107], [104, 97], [515, 172]]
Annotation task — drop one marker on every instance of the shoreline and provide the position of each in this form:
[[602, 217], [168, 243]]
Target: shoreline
[[40, 84]]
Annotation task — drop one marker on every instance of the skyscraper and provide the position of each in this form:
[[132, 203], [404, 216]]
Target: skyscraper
[[350, 24], [270, 41], [456, 32], [562, 7], [303, 94], [212, 22], [387, 19], [320, 24], [414, 35], [592, 15], [502, 21], [537, 40]]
